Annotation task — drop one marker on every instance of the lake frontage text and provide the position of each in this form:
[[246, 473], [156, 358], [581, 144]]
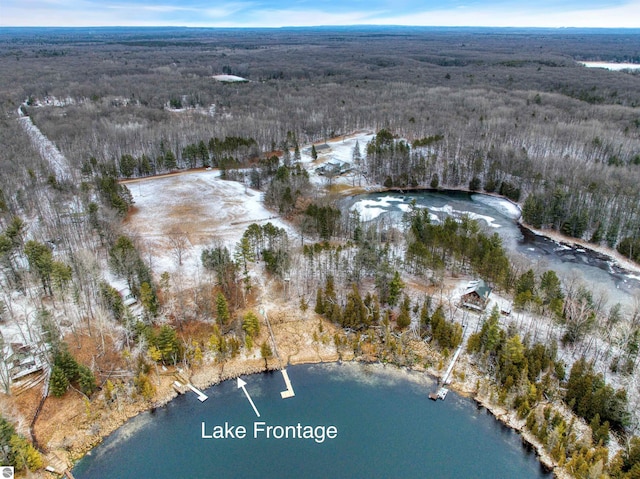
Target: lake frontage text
[[262, 430]]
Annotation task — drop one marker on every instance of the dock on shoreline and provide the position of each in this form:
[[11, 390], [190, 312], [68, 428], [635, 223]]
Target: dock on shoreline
[[441, 392]]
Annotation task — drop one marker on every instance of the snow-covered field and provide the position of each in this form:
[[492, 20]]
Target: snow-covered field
[[197, 204], [22, 325]]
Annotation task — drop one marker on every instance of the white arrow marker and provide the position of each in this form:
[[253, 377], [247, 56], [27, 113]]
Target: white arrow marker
[[242, 384]]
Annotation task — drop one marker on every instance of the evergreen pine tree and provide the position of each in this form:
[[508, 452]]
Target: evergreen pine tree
[[251, 324], [404, 318], [319, 302], [395, 288], [168, 345], [266, 352], [148, 299], [67, 363], [170, 162], [222, 309], [425, 320], [86, 380], [24, 454], [58, 383]]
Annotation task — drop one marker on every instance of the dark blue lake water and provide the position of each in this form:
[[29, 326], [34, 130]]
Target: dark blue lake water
[[386, 428]]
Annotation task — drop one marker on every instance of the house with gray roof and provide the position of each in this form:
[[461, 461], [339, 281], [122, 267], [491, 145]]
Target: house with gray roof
[[476, 296]]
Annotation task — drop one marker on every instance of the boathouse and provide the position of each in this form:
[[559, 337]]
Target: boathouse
[[476, 296]]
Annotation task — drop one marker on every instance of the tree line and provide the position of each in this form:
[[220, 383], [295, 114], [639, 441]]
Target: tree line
[[573, 205]]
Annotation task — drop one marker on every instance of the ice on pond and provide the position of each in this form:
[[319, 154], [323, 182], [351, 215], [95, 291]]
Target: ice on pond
[[487, 219], [372, 209], [448, 210], [503, 206]]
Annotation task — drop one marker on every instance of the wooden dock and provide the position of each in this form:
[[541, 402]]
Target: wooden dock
[[442, 391], [202, 397], [289, 392], [178, 386], [440, 394]]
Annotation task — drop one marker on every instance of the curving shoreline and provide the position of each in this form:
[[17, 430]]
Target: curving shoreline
[[553, 235], [210, 375], [73, 440]]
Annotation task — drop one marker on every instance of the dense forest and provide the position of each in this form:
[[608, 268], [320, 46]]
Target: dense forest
[[513, 114]]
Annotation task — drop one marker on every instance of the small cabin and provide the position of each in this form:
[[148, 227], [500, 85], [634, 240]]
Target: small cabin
[[333, 168], [476, 296]]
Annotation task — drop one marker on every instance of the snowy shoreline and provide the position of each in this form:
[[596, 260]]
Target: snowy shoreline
[[628, 266], [619, 260]]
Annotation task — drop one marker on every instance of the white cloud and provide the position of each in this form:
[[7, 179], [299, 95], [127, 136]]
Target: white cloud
[[227, 9], [298, 18], [250, 14], [622, 16]]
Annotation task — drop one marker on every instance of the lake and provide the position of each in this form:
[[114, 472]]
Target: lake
[[385, 427], [612, 66]]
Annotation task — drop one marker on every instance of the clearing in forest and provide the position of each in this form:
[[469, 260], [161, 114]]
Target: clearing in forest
[[188, 211]]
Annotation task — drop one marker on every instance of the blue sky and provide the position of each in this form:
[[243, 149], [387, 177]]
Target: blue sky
[[278, 13]]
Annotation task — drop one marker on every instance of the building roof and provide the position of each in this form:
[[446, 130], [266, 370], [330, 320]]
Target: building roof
[[479, 287]]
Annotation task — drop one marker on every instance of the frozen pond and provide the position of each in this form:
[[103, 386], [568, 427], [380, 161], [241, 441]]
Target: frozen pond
[[612, 66], [499, 215]]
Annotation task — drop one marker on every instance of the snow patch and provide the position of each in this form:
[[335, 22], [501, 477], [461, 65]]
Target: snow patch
[[229, 78], [129, 126], [54, 101], [46, 148], [487, 219]]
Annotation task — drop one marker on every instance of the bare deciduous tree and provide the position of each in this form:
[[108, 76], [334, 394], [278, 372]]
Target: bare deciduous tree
[[179, 244]]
